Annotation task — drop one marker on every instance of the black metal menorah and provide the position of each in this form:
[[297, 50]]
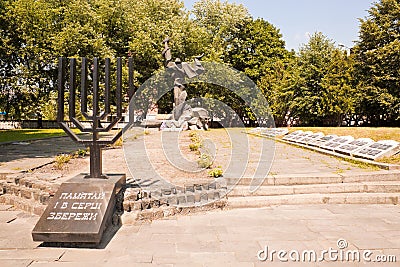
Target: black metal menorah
[[96, 143]]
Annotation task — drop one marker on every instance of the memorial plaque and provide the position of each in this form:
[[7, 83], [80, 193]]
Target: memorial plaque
[[336, 142], [354, 146], [311, 138], [378, 149], [301, 136], [292, 136], [80, 211], [323, 140], [273, 132]]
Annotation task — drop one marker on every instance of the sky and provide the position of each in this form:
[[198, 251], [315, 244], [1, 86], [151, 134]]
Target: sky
[[297, 19]]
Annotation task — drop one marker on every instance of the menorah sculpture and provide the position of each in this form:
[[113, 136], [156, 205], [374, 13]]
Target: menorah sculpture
[[95, 144], [86, 205]]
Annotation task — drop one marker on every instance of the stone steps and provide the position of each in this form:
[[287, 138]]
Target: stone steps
[[28, 194], [363, 187], [316, 179], [28, 205], [305, 199]]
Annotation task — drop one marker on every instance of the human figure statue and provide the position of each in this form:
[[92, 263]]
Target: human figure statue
[[180, 70]]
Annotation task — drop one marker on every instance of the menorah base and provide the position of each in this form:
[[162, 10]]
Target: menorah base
[[81, 210]]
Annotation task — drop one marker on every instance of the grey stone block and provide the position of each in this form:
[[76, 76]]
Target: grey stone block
[[156, 194], [181, 199], [190, 199], [166, 191], [198, 187], [173, 200], [204, 196], [44, 198], [189, 188]]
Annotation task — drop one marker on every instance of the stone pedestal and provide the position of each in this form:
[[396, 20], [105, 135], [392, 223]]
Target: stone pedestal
[[81, 210]]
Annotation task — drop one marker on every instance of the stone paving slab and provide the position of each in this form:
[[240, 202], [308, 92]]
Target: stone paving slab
[[221, 238], [8, 216]]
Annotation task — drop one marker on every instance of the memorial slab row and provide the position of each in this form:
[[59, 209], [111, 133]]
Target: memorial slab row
[[361, 148]]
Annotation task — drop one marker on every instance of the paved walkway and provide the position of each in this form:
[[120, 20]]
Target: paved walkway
[[287, 160], [21, 156], [223, 238]]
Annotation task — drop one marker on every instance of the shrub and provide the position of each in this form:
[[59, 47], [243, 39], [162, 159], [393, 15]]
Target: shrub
[[81, 153], [61, 160], [194, 146], [216, 172], [205, 161]]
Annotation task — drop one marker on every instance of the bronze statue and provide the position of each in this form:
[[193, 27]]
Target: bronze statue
[[180, 70]]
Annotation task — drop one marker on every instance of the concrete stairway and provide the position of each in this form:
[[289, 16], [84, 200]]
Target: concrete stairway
[[368, 188]]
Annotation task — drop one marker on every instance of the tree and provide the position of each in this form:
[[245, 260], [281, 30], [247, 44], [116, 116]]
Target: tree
[[378, 64], [256, 48], [323, 94], [221, 23], [35, 33], [27, 28], [259, 51], [250, 46]]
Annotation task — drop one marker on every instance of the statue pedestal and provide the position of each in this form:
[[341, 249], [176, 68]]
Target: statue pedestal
[[81, 210]]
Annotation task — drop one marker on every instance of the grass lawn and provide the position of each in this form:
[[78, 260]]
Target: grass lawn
[[376, 134], [28, 134]]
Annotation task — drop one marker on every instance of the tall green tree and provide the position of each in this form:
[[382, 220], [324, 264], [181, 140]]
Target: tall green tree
[[323, 94], [34, 33], [378, 64], [251, 46], [27, 29], [259, 51], [256, 48], [221, 22]]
